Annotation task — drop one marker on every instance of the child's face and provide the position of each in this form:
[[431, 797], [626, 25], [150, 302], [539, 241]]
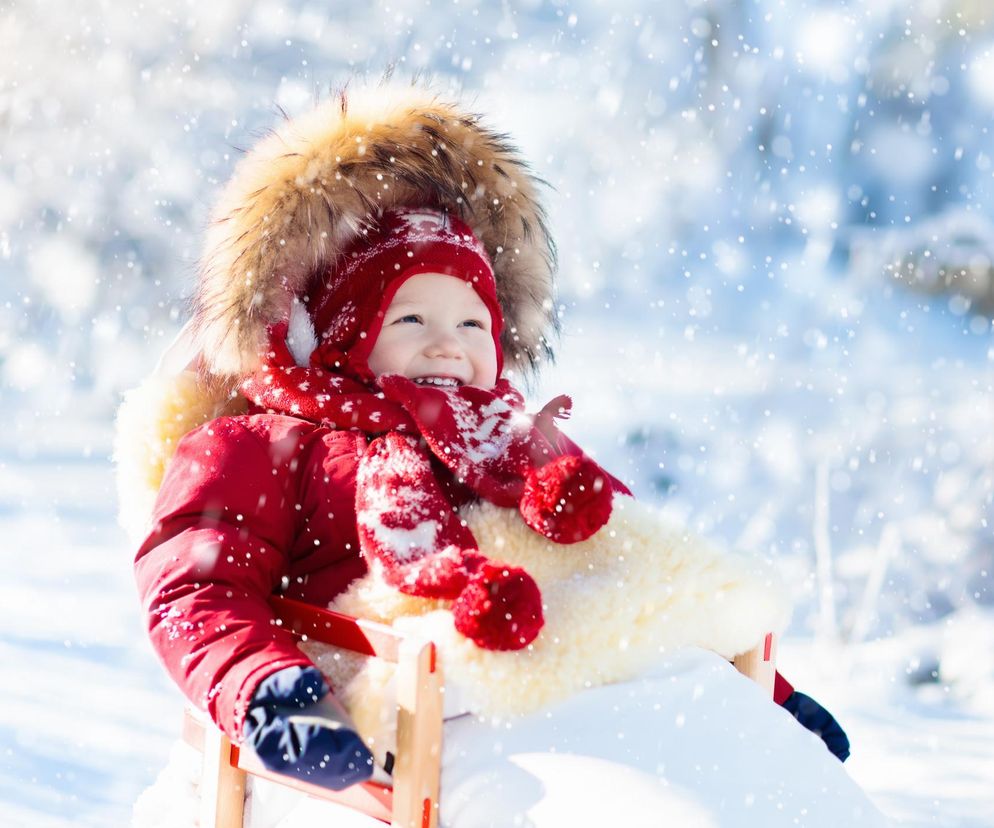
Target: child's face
[[437, 331]]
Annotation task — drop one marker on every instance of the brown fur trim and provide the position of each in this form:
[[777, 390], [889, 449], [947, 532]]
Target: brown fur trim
[[300, 195]]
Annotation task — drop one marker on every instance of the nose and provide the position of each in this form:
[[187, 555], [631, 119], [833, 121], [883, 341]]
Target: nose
[[444, 345]]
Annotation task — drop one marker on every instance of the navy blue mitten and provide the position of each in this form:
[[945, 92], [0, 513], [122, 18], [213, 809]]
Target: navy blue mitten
[[296, 728], [820, 722]]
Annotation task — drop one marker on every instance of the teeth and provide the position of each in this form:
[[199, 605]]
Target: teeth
[[443, 381]]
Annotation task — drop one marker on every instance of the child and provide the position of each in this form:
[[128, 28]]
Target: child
[[365, 327], [414, 298]]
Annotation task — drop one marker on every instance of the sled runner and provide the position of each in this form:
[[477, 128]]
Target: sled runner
[[412, 800]]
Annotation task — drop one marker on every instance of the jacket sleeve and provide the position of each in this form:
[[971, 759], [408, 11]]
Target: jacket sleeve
[[222, 525]]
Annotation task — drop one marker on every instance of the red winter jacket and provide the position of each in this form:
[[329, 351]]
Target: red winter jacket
[[249, 506]]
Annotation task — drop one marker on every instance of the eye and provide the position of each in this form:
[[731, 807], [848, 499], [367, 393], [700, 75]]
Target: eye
[[411, 317], [473, 323]]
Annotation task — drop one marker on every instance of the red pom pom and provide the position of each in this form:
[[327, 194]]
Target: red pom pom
[[500, 609], [567, 500]]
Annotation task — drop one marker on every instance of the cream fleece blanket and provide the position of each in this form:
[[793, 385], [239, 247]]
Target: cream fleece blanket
[[640, 587]]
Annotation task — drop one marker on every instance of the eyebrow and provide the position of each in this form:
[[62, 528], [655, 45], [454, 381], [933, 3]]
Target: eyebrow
[[413, 303], [406, 304]]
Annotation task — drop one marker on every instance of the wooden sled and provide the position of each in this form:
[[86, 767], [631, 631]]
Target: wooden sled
[[412, 800]]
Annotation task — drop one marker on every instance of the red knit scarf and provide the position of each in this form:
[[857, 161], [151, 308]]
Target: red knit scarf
[[408, 529]]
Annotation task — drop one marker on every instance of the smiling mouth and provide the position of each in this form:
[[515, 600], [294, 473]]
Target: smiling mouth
[[443, 382]]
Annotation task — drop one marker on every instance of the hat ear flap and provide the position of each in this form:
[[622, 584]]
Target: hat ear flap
[[301, 339]]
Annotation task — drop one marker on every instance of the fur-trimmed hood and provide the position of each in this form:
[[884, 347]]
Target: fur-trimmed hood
[[292, 205], [298, 197]]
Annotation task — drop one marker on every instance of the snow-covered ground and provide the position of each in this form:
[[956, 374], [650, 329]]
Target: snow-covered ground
[[87, 715]]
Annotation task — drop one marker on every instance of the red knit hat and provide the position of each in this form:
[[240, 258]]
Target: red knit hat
[[347, 308]]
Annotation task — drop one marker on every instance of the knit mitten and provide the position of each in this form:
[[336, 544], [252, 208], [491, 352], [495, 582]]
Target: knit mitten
[[420, 546], [567, 499], [405, 522]]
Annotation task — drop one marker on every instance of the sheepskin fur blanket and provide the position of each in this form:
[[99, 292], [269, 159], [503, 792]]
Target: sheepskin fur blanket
[[641, 586], [613, 605]]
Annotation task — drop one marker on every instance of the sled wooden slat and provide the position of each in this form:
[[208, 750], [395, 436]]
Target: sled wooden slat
[[412, 802], [760, 663], [372, 798], [193, 730], [419, 737], [223, 784]]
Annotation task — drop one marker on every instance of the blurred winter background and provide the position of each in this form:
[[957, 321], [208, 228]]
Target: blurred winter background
[[776, 230]]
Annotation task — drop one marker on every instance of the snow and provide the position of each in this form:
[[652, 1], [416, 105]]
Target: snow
[[691, 739], [732, 199]]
